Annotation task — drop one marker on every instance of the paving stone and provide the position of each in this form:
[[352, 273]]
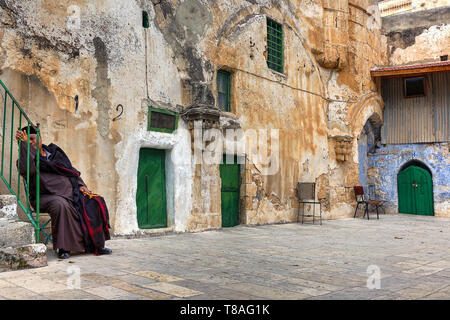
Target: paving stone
[[16, 293], [414, 293], [135, 279], [157, 276], [195, 285], [424, 270], [357, 293], [75, 294], [407, 265], [108, 292], [389, 297], [267, 292], [37, 284], [314, 284], [172, 289], [439, 295], [229, 294], [440, 264], [5, 284], [206, 297], [300, 289], [290, 261]]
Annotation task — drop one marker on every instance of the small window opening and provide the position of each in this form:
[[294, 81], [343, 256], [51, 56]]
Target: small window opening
[[224, 90], [162, 120], [145, 20], [414, 87]]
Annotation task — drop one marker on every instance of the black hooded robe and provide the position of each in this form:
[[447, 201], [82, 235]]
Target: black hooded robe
[[59, 196]]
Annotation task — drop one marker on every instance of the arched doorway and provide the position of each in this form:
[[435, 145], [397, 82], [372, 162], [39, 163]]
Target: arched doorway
[[367, 144], [415, 189]]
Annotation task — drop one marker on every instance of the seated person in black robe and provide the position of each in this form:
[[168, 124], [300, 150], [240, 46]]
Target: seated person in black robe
[[61, 194]]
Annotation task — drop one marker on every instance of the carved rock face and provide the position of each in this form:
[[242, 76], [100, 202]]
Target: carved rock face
[[343, 148]]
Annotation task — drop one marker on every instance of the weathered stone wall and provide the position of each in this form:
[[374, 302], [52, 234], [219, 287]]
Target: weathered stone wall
[[387, 161], [52, 51], [395, 7], [421, 36]]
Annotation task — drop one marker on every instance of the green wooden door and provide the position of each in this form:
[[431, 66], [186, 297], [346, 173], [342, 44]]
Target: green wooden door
[[415, 191], [151, 189], [229, 173], [406, 201]]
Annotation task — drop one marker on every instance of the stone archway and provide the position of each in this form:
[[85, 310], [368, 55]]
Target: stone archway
[[369, 107], [366, 119]]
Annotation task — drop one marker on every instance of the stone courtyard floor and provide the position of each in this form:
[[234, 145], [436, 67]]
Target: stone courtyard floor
[[288, 261]]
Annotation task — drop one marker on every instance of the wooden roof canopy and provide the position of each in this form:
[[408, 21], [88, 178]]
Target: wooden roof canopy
[[410, 70]]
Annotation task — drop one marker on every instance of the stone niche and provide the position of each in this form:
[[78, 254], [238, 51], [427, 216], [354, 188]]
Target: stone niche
[[209, 116], [343, 148]]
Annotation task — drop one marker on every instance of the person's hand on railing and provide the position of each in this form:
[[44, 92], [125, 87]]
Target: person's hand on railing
[[21, 136]]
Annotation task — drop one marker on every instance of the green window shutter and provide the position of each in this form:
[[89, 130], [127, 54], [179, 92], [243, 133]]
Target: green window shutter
[[224, 90], [162, 120], [275, 56]]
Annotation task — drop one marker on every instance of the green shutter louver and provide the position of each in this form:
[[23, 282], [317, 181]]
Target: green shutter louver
[[275, 56]]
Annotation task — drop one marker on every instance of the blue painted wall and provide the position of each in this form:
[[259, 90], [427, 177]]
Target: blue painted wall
[[366, 143], [385, 164], [363, 160]]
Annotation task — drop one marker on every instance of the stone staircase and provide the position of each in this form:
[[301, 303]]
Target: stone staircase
[[18, 248]]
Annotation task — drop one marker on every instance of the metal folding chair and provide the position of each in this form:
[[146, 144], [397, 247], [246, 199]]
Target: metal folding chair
[[48, 237], [307, 195]]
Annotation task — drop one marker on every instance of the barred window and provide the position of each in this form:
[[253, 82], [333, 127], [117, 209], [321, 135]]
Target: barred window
[[275, 57]]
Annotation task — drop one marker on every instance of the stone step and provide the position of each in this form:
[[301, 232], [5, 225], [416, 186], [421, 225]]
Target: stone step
[[13, 233], [25, 257], [16, 233], [8, 207]]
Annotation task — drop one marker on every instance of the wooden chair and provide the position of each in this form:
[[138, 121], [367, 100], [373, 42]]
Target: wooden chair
[[307, 195], [373, 199], [362, 200]]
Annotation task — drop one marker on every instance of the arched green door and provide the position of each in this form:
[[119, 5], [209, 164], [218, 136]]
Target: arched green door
[[415, 191]]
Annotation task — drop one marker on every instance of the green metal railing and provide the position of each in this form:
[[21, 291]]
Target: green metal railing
[[7, 173]]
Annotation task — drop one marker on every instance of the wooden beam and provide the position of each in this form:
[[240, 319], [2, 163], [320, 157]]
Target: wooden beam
[[405, 72]]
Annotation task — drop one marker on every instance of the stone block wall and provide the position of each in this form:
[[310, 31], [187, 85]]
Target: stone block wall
[[421, 36], [323, 94]]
